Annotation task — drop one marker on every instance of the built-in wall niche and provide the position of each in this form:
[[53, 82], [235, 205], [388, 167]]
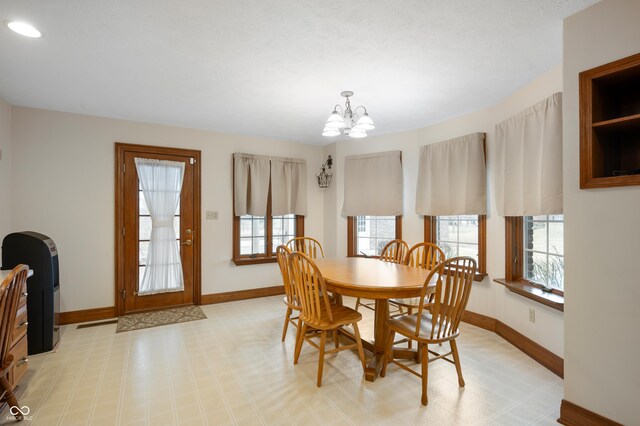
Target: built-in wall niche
[[610, 124]]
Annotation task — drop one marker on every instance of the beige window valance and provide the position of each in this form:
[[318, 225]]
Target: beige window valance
[[252, 176], [373, 184], [528, 161], [452, 177]]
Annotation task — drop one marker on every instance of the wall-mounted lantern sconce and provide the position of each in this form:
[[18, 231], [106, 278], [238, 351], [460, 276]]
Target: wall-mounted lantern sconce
[[324, 178]]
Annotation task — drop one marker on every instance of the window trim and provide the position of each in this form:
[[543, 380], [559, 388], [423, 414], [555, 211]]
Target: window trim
[[430, 237], [269, 255], [351, 235], [514, 279]]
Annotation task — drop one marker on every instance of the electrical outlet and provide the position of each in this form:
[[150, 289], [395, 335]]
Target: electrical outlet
[[212, 215], [532, 315]]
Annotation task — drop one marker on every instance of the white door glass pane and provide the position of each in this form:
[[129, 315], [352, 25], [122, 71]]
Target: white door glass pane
[[176, 226], [140, 274], [144, 227], [142, 252], [142, 204]]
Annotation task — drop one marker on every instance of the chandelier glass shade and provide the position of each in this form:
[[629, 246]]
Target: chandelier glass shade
[[347, 121]]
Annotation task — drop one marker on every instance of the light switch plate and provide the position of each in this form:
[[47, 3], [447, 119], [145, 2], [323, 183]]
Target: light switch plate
[[212, 215]]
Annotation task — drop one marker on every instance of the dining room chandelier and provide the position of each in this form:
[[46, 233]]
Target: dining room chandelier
[[347, 121]]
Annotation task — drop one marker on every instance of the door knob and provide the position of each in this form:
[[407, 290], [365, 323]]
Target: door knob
[[187, 243]]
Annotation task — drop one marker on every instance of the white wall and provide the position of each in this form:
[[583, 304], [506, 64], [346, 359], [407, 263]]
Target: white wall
[[487, 298], [602, 237], [63, 186], [5, 169]]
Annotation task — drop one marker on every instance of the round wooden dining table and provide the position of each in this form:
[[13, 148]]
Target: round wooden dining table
[[370, 278]]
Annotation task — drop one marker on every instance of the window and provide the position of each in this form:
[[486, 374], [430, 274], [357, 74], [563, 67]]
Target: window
[[535, 258], [367, 235], [462, 235], [257, 237], [543, 250]]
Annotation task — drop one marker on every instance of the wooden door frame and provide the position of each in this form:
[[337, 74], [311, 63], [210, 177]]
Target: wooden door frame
[[120, 150]]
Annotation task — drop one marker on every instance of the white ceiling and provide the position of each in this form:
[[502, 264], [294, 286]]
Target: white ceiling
[[275, 68]]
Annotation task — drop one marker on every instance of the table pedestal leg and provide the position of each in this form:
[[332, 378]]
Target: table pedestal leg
[[380, 339]]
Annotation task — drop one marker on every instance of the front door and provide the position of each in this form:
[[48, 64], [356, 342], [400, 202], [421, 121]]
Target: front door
[[136, 223]]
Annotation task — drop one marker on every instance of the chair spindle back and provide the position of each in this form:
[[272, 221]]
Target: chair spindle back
[[9, 298], [425, 255], [395, 251], [311, 288], [307, 245], [451, 296]]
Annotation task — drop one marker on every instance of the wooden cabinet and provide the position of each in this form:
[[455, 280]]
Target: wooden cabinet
[[610, 124]]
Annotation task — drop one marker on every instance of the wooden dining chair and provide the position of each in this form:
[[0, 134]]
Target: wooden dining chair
[[10, 292], [439, 322], [318, 313], [425, 256], [291, 299], [394, 251], [307, 245]]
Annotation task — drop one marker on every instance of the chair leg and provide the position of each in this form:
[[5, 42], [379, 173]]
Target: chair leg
[[356, 331], [335, 338], [302, 330], [425, 372], [456, 360], [286, 322], [388, 355], [410, 342], [357, 303], [9, 396], [323, 341]]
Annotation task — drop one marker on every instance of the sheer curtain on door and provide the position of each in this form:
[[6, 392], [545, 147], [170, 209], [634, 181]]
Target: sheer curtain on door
[[161, 184]]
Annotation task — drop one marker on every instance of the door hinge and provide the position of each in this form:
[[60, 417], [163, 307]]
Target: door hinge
[[192, 160], [123, 232], [123, 293], [124, 168]]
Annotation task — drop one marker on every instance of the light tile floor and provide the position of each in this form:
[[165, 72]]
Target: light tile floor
[[232, 369]]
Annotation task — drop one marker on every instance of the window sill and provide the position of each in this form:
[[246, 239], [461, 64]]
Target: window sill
[[479, 276], [525, 289], [242, 261]]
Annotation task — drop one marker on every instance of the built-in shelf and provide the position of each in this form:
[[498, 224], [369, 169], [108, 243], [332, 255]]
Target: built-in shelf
[[610, 124], [628, 123]]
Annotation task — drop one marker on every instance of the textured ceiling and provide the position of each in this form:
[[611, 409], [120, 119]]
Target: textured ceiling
[[276, 68]]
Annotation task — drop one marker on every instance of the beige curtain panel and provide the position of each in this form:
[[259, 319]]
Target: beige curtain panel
[[250, 184], [452, 177], [528, 161], [288, 186], [373, 184]]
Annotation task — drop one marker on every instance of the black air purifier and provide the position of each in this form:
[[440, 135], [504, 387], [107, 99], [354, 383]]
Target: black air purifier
[[43, 288]]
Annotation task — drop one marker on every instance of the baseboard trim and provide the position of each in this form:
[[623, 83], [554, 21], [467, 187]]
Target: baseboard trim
[[540, 354], [85, 315], [574, 415], [232, 296], [479, 320]]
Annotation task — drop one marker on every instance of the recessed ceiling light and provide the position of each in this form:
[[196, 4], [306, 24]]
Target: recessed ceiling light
[[24, 29]]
